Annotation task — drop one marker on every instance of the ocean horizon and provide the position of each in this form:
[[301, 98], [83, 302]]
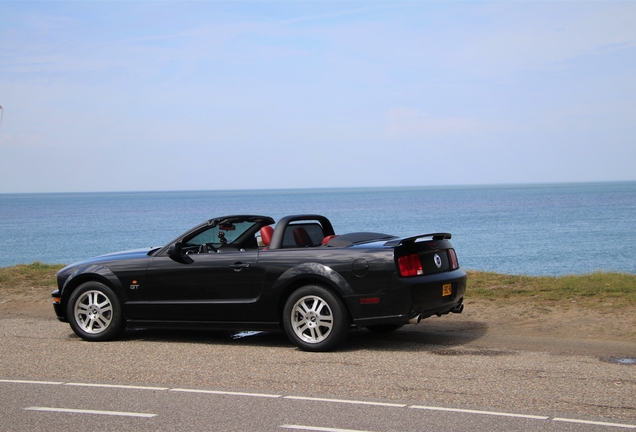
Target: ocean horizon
[[337, 188], [533, 229]]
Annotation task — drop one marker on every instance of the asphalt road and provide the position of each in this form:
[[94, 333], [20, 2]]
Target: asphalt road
[[70, 406], [440, 364]]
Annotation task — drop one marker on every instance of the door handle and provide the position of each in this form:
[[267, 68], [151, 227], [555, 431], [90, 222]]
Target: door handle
[[237, 267]]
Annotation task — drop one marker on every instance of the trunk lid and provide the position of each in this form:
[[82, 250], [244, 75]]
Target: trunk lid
[[424, 254]]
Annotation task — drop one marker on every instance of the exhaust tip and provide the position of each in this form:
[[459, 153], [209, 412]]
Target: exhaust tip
[[416, 319], [458, 309]]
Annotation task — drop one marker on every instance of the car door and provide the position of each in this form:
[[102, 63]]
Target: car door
[[212, 287]]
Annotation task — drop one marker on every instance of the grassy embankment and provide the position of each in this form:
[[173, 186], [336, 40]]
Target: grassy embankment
[[27, 280], [596, 290]]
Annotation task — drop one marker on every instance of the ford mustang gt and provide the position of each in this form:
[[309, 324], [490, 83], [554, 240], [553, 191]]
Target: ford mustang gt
[[245, 273]]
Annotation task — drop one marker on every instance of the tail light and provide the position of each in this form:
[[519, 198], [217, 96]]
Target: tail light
[[452, 256], [410, 265]]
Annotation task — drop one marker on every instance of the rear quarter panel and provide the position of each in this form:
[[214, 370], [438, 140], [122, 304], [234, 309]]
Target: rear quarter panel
[[283, 270]]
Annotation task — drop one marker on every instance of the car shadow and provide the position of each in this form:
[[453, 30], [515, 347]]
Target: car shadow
[[426, 336], [417, 338]]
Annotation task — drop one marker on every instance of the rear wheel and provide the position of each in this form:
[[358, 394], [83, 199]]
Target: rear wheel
[[95, 312], [315, 319]]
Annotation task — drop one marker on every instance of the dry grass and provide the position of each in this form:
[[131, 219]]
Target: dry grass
[[27, 280], [595, 290]]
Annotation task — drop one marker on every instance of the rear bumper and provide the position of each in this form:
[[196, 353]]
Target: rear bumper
[[427, 298], [408, 298]]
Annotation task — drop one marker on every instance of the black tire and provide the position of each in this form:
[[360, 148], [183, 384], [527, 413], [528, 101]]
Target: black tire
[[385, 328], [315, 319], [94, 312]]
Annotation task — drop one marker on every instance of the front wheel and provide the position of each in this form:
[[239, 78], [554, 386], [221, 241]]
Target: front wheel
[[95, 313], [315, 319]]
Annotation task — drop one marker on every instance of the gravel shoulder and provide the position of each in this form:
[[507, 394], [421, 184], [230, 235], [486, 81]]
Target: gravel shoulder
[[535, 360]]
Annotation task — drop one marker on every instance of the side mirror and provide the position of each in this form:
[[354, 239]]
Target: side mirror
[[174, 251]]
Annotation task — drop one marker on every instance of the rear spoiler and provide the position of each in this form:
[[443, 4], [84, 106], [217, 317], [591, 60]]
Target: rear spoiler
[[409, 240]]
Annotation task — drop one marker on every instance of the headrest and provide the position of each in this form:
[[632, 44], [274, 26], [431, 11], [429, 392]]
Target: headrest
[[266, 234]]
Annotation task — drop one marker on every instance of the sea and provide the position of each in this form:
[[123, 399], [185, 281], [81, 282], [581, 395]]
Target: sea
[[539, 229]]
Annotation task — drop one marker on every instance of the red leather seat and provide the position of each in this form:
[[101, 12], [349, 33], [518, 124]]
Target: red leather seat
[[326, 239], [302, 238], [266, 234]]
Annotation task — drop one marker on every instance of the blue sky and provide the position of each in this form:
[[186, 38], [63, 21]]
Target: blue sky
[[117, 96]]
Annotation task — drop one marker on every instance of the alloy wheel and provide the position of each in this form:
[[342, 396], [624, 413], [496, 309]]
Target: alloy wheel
[[312, 319], [93, 312]]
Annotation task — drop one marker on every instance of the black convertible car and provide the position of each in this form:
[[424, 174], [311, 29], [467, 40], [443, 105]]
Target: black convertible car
[[241, 273]]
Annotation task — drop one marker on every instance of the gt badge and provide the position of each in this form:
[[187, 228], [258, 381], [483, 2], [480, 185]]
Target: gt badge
[[134, 285], [438, 260]]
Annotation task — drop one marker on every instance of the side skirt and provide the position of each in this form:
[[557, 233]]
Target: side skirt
[[197, 325]]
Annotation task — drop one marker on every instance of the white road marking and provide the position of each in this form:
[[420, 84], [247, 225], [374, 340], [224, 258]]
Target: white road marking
[[431, 408], [31, 382], [355, 402], [493, 413], [79, 411], [620, 425], [116, 386], [314, 428], [225, 393]]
